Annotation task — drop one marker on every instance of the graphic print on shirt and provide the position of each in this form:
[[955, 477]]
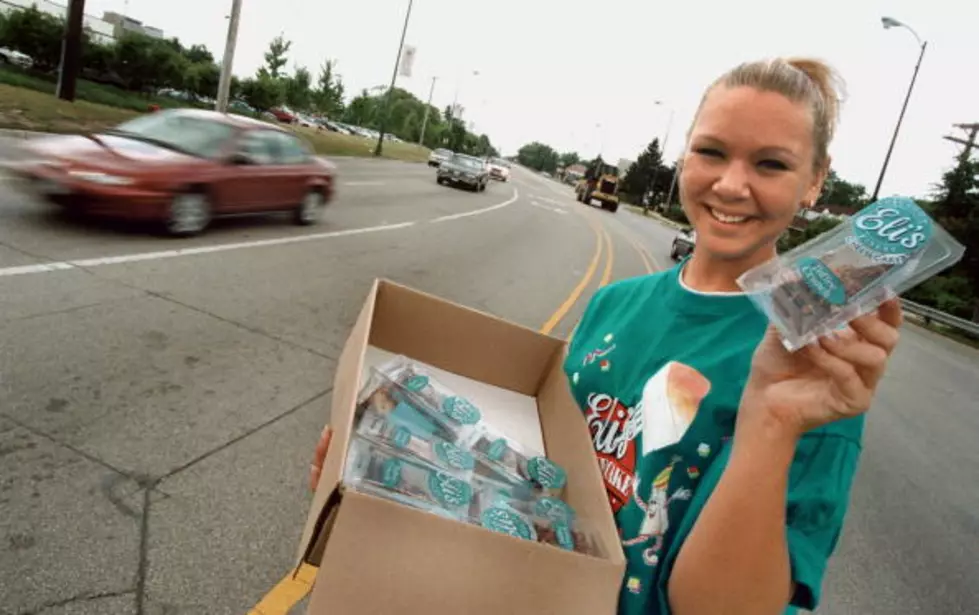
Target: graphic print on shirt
[[670, 401]]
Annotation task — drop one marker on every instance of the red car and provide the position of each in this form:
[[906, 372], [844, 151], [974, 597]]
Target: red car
[[181, 167]]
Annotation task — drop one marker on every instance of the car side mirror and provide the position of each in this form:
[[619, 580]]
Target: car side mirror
[[241, 158]]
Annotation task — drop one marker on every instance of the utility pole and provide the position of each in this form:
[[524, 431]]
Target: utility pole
[[71, 50], [970, 143], [224, 83], [394, 78], [421, 139]]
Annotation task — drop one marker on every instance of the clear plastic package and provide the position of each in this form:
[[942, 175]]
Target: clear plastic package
[[432, 449], [383, 396], [518, 465], [880, 252], [453, 413], [503, 516], [385, 472], [529, 503]]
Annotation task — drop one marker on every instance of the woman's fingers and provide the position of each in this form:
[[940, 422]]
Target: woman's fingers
[[868, 359], [880, 329], [319, 455], [843, 373]]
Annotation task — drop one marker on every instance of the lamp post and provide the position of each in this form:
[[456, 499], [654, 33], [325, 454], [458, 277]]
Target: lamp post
[[394, 77], [662, 146], [890, 22]]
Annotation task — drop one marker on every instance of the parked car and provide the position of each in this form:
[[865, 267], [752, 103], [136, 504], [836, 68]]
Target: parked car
[[683, 244], [438, 156], [180, 167], [465, 170], [12, 56], [283, 114], [498, 169]]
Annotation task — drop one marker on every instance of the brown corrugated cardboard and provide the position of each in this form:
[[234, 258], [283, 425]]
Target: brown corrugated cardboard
[[376, 556]]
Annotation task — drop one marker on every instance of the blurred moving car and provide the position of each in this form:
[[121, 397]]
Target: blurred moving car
[[283, 114], [683, 244], [498, 168], [12, 56], [462, 169], [438, 156], [181, 167]]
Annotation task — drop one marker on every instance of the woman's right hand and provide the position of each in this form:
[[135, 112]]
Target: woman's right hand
[[316, 468]]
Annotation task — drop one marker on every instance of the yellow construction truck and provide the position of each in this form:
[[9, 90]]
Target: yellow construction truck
[[600, 183]]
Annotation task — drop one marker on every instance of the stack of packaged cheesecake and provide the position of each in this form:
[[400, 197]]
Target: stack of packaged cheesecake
[[418, 443]]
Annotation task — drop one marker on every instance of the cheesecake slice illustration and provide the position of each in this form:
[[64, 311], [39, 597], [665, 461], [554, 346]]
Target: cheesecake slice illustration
[[670, 400]]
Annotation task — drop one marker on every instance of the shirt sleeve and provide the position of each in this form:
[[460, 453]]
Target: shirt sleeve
[[819, 489]]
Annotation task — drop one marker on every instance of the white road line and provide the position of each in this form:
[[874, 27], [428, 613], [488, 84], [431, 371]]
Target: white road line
[[547, 200], [363, 183], [551, 209], [477, 212], [88, 263]]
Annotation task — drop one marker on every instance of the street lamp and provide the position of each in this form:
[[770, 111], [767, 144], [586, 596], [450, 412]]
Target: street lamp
[[662, 148], [888, 23], [394, 77]]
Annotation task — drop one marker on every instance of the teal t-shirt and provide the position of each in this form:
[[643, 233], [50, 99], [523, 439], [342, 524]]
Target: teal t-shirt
[[658, 370]]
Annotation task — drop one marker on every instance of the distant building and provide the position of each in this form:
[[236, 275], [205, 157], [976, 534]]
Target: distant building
[[100, 30], [123, 23]]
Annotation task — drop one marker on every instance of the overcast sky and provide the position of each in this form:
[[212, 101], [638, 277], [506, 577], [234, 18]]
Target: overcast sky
[[551, 70]]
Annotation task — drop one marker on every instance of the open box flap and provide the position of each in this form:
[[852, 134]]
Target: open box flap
[[346, 387]]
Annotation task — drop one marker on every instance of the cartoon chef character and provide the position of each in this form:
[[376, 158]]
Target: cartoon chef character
[[655, 523]]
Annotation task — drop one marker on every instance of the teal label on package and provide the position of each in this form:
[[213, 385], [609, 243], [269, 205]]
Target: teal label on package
[[401, 437], [413, 420], [565, 539], [461, 410], [391, 473], [416, 383], [448, 490], [497, 449], [453, 456], [546, 473], [505, 521], [822, 280], [554, 509], [891, 230]]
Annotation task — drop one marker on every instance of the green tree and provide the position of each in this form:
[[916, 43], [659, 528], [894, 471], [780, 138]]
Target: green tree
[[814, 228], [202, 79], [648, 168], [275, 57], [328, 96], [838, 191], [956, 208], [36, 33], [569, 158], [262, 92], [199, 54], [361, 110], [297, 88], [538, 156]]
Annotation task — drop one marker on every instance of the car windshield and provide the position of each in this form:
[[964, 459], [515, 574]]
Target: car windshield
[[466, 161], [196, 136]]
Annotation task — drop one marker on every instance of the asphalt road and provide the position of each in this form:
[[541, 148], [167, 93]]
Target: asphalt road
[[160, 399]]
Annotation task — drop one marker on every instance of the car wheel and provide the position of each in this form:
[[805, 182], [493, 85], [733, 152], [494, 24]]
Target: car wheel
[[482, 186], [310, 210], [673, 254], [189, 214], [438, 180]]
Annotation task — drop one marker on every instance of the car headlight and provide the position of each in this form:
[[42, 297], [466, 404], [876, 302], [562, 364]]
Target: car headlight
[[105, 179]]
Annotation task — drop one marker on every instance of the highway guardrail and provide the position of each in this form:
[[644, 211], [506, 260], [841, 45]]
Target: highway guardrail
[[931, 314]]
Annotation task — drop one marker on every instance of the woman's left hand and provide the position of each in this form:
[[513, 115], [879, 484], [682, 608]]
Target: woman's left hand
[[831, 379]]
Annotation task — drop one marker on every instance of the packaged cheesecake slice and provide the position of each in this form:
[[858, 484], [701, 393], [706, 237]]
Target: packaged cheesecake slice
[[881, 251]]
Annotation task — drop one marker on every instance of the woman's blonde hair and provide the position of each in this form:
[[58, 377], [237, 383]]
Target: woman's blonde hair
[[804, 80]]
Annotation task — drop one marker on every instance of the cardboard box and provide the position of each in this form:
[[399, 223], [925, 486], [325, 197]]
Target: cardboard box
[[377, 557]]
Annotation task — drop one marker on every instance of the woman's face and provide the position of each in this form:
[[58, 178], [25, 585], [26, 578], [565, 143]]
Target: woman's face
[[747, 168]]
